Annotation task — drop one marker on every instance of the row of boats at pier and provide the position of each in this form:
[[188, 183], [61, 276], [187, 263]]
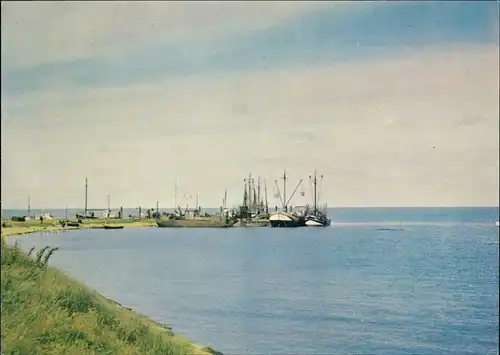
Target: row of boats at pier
[[254, 211], [309, 216], [315, 218], [286, 217]]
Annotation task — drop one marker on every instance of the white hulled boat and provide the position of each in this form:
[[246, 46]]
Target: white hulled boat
[[316, 217]]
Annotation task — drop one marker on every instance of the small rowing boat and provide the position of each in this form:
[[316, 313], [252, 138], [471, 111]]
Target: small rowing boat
[[113, 227]]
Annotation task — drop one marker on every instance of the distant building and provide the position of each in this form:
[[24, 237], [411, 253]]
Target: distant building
[[43, 215]]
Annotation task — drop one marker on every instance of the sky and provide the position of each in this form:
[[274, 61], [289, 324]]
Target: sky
[[394, 103]]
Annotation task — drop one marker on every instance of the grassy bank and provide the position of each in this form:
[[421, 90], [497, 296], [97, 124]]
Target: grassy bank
[[52, 225], [46, 312]]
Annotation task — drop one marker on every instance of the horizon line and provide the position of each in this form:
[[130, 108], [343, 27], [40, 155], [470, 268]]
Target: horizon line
[[168, 208]]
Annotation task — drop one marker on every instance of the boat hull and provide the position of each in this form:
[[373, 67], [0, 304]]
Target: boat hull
[[314, 223], [285, 220], [113, 227], [253, 223], [284, 224], [192, 224], [317, 221]]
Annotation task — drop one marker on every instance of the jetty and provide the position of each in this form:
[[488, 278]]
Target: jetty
[[210, 222], [253, 211]]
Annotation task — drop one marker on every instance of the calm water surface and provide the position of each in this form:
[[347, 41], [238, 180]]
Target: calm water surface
[[429, 289]]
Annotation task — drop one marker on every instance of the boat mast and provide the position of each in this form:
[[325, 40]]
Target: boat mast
[[109, 203], [315, 193], [175, 196], [245, 194], [255, 202], [265, 193], [259, 199], [250, 193], [284, 191], [86, 190], [29, 205]]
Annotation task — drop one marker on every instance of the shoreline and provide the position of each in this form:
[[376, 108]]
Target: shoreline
[[62, 279], [10, 228]]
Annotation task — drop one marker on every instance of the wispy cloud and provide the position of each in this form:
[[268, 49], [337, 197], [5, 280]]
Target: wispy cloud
[[390, 113], [60, 31], [204, 41]]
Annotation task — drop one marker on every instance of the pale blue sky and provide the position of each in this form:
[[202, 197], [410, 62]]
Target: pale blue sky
[[118, 79], [312, 38]]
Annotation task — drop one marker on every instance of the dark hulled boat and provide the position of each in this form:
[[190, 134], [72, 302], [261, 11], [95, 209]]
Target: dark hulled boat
[[112, 227], [285, 219]]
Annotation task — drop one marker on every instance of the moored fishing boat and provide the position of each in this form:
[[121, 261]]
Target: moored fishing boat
[[317, 220], [316, 217], [192, 223], [72, 224], [254, 211], [283, 218]]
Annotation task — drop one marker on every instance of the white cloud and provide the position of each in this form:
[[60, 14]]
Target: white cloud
[[415, 129], [40, 32]]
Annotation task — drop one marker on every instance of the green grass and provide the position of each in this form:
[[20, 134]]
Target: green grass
[[94, 221], [32, 226], [46, 312], [31, 223]]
